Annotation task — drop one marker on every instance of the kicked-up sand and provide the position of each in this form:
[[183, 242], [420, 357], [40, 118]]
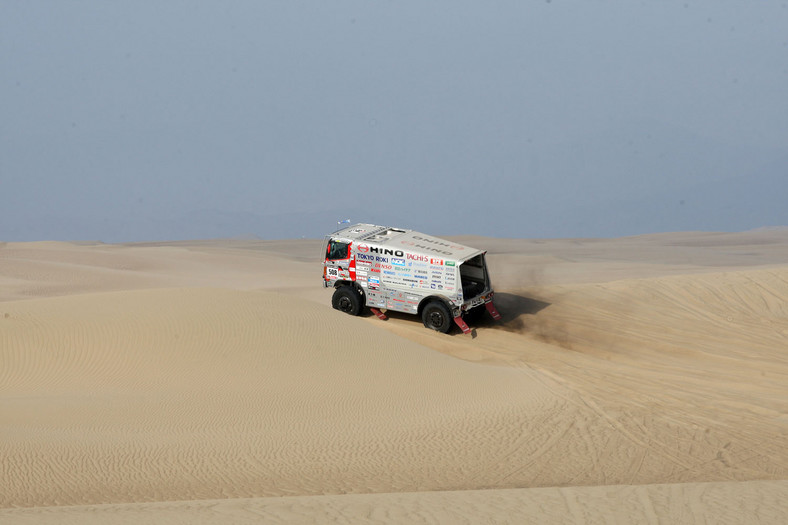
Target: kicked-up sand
[[632, 380]]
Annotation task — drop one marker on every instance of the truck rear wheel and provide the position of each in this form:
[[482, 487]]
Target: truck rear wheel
[[347, 299], [436, 316]]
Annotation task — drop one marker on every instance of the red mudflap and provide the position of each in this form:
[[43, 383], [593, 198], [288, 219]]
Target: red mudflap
[[461, 323], [380, 314], [493, 312]]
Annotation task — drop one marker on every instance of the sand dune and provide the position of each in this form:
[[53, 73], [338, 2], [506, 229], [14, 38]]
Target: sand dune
[[632, 380]]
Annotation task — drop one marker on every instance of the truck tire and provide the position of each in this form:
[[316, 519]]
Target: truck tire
[[436, 316], [347, 299]]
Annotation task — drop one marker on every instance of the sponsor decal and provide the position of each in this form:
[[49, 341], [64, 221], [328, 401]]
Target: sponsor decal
[[431, 249], [433, 245], [436, 262], [371, 258], [417, 257], [386, 251], [449, 263], [363, 248], [397, 262], [438, 242], [389, 272], [360, 272]]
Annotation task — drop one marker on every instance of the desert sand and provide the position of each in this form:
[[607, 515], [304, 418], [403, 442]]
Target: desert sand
[[633, 380]]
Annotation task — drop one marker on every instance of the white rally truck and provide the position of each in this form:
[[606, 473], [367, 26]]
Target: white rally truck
[[387, 268]]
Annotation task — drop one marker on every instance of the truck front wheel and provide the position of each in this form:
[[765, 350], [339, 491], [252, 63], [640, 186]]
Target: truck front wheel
[[347, 299], [436, 316]]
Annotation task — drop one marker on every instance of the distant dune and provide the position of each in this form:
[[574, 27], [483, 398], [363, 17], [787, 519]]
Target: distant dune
[[633, 380]]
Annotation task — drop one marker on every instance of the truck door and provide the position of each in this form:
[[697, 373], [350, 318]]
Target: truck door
[[338, 261]]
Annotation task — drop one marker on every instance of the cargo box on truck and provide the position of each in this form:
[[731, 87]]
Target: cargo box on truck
[[385, 268]]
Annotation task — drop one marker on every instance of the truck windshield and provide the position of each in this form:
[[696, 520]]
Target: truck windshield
[[337, 250]]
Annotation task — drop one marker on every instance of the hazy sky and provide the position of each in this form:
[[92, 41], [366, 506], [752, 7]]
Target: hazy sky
[[127, 120]]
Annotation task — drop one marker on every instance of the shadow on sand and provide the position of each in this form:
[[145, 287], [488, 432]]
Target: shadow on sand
[[510, 306]]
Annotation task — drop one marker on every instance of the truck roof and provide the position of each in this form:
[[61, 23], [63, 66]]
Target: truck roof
[[406, 240]]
